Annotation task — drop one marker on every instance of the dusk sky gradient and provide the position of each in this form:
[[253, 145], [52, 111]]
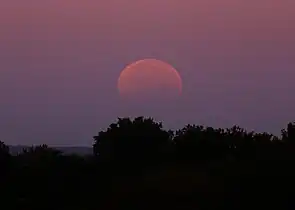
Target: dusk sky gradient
[[60, 61]]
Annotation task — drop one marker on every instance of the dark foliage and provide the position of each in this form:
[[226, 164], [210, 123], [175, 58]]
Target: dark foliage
[[138, 164]]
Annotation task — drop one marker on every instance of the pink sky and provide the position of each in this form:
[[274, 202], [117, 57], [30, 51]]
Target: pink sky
[[60, 61]]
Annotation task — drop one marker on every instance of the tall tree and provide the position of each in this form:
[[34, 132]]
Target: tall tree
[[141, 138]]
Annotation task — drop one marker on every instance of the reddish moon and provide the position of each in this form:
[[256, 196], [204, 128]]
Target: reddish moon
[[149, 78]]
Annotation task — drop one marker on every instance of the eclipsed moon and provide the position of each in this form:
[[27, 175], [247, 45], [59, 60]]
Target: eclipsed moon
[[149, 78]]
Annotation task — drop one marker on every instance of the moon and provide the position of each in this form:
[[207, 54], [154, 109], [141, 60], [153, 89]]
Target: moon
[[149, 78]]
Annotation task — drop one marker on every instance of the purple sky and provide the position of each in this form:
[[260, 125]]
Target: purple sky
[[60, 61]]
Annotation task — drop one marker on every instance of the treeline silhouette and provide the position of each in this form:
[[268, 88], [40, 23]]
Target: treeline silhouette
[[138, 164]]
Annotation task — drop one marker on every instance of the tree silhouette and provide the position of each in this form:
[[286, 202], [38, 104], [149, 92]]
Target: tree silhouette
[[197, 142], [289, 134], [137, 163], [5, 166], [132, 140], [4, 150], [4, 157], [41, 152]]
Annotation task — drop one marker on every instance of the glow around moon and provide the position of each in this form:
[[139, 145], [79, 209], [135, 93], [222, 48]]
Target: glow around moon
[[149, 78]]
